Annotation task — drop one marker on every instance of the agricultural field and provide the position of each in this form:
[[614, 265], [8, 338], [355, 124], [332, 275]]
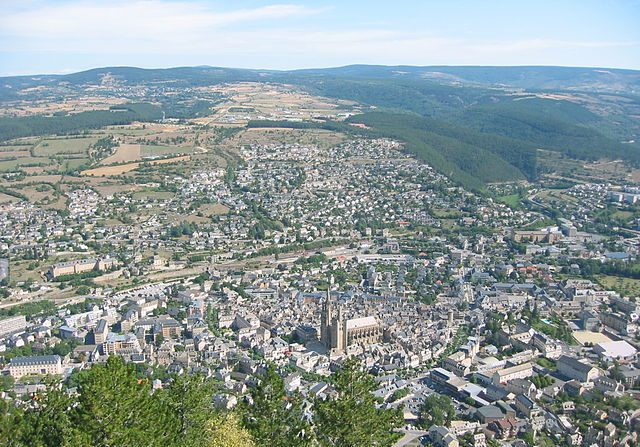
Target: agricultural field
[[555, 166], [8, 165], [63, 146], [123, 153], [6, 198], [83, 103], [11, 148], [122, 169], [251, 100], [148, 151], [110, 170]]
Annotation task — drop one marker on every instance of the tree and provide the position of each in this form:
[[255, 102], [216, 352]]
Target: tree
[[352, 419], [11, 425], [437, 409], [189, 403], [616, 372], [225, 430], [49, 423], [114, 408], [273, 418]]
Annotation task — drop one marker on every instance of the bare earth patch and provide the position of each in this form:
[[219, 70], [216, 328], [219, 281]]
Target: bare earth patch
[[124, 153]]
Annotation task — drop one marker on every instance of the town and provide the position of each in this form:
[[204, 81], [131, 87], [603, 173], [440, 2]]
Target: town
[[264, 231], [304, 254]]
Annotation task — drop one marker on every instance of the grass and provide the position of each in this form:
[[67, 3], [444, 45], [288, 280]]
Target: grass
[[628, 287], [542, 223], [447, 213], [546, 363], [13, 148], [512, 200], [213, 209], [73, 163], [58, 146], [159, 151], [12, 165]]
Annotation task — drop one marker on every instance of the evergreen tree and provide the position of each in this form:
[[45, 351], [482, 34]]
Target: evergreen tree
[[11, 425], [351, 419], [188, 401], [114, 408], [47, 424], [273, 418]]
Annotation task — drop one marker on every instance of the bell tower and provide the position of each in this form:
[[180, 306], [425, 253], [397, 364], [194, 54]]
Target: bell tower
[[325, 321]]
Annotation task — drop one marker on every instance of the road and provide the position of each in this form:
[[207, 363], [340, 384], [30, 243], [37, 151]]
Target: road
[[409, 437]]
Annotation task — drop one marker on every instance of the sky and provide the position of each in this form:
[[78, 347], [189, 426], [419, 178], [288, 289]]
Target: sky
[[64, 36]]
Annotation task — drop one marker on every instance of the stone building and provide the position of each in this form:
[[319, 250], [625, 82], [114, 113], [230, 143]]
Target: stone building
[[337, 332]]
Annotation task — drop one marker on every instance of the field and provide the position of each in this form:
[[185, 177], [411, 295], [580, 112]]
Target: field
[[74, 163], [250, 100], [627, 287], [58, 146], [147, 151], [12, 165], [5, 198], [15, 148], [111, 170], [124, 153], [512, 200], [564, 168], [214, 209], [51, 154], [584, 337], [11, 154], [122, 169]]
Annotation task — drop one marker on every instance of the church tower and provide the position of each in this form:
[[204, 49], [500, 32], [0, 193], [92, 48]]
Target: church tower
[[339, 333], [325, 321]]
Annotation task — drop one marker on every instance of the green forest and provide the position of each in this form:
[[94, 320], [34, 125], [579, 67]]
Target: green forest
[[115, 405], [26, 126]]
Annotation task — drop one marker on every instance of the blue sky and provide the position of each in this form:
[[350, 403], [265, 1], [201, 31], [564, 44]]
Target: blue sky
[[70, 35]]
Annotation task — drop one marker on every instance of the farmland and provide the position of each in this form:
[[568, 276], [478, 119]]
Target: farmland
[[123, 153], [124, 168], [63, 146]]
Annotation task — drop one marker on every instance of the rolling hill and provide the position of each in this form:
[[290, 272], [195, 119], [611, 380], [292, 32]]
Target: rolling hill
[[475, 124]]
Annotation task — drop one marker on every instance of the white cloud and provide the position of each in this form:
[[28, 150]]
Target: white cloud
[[171, 32], [140, 19]]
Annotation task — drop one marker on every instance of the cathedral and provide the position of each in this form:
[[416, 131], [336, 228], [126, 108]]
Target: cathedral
[[338, 333]]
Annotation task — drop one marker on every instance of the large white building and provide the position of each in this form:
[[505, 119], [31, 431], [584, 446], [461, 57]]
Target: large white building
[[35, 365], [12, 325], [521, 371]]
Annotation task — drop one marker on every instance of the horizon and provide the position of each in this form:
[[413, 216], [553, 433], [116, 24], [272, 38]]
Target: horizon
[[317, 68], [70, 36]]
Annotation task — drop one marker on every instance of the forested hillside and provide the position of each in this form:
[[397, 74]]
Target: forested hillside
[[16, 127], [462, 154]]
